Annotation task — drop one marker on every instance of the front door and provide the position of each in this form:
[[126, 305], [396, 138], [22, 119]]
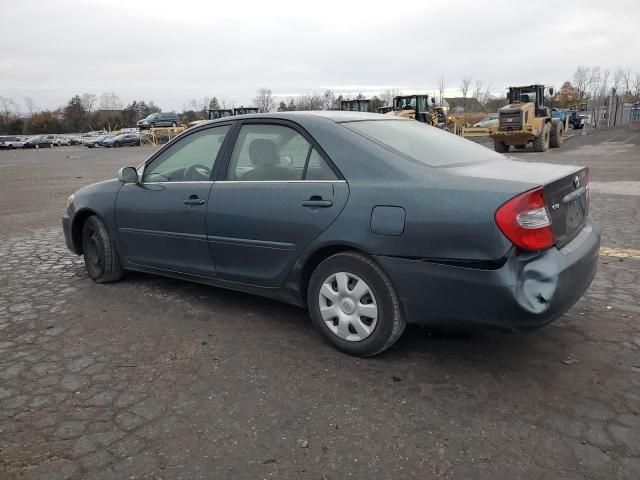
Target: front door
[[277, 196], [161, 220]]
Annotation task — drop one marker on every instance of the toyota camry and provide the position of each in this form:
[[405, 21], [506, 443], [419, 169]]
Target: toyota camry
[[369, 221]]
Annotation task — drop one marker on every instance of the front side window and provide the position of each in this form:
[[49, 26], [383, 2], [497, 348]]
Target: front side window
[[191, 159]]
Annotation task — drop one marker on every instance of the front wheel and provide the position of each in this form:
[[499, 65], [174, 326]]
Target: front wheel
[[354, 305], [116, 144], [100, 254], [500, 147], [174, 124]]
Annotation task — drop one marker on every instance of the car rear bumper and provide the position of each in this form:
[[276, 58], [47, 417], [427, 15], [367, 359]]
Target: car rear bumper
[[527, 291]]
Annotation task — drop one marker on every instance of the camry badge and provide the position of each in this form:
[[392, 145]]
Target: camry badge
[[576, 182]]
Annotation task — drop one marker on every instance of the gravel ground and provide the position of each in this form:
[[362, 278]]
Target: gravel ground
[[158, 378]]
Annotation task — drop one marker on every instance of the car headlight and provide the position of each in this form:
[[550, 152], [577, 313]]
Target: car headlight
[[70, 199]]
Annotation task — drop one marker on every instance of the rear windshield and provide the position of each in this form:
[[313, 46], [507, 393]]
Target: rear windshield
[[429, 145]]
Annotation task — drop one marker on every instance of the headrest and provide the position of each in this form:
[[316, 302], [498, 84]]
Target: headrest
[[263, 153]]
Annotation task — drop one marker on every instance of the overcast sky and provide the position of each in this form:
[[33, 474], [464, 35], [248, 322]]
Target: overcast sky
[[171, 51]]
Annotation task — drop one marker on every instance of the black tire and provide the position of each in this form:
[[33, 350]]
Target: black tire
[[174, 124], [96, 145], [152, 125], [521, 147], [541, 142], [557, 134], [116, 144], [390, 322], [500, 147], [11, 147], [100, 254]]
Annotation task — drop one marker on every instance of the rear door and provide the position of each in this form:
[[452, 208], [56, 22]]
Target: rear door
[[277, 193]]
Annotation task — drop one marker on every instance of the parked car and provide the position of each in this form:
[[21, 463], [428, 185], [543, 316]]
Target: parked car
[[11, 142], [370, 221], [96, 142], [162, 119], [123, 140], [488, 121], [38, 141], [73, 140]]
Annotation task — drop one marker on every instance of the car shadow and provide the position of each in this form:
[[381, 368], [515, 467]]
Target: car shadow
[[482, 351]]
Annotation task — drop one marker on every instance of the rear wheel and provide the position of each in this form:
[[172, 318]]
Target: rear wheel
[[354, 305], [541, 142], [116, 144], [174, 124], [500, 147], [37, 145], [521, 147], [100, 254], [557, 132]]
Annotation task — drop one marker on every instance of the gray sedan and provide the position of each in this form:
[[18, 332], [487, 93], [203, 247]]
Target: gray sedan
[[369, 221]]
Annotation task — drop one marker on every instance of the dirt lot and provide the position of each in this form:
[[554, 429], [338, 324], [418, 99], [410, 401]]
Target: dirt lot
[[157, 378]]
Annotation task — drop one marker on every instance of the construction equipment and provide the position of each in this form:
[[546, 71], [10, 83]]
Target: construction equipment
[[418, 108], [525, 119], [358, 105], [220, 113], [245, 110]]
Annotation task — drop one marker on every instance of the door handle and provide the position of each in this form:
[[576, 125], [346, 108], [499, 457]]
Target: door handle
[[194, 200], [317, 202]]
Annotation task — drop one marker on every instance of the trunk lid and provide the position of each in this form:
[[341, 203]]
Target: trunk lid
[[565, 189]]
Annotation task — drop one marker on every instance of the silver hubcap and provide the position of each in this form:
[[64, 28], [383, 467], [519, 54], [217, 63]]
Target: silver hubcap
[[348, 306]]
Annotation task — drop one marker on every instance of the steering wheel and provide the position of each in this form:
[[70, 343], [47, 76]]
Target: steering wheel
[[197, 172]]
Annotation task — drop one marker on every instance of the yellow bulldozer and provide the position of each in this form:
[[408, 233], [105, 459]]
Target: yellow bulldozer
[[526, 120]]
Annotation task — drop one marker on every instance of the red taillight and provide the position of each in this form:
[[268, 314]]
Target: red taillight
[[525, 221]]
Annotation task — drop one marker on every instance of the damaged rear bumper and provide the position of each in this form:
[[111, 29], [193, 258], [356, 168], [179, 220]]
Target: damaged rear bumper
[[527, 291]]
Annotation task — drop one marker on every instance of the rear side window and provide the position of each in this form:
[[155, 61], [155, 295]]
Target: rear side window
[[428, 145], [275, 153]]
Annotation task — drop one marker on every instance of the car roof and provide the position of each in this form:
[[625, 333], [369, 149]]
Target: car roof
[[336, 116]]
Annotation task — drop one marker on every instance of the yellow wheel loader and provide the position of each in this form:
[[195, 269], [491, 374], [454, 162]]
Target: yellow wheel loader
[[418, 108], [525, 119]]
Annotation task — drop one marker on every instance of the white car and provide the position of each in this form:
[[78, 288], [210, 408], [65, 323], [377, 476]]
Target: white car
[[488, 121], [11, 142]]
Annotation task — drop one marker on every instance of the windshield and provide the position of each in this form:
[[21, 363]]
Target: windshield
[[428, 145]]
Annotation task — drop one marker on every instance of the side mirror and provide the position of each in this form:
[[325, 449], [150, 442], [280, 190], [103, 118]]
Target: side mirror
[[433, 101], [551, 91], [128, 175]]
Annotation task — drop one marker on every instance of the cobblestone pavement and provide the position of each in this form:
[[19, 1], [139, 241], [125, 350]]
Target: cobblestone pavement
[[158, 378]]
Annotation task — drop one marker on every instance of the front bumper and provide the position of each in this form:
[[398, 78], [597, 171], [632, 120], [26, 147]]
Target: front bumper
[[68, 234], [528, 291]]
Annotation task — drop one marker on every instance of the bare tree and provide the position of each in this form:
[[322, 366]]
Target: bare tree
[[618, 80], [581, 81], [31, 105], [8, 106], [636, 86], [88, 101], [625, 83], [388, 95], [110, 101], [328, 100], [442, 85], [264, 100], [477, 93], [464, 88], [604, 83], [226, 104]]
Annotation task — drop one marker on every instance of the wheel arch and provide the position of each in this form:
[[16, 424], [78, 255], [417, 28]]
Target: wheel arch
[[315, 258], [77, 224]]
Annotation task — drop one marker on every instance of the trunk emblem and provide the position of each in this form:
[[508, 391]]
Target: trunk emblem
[[576, 182], [555, 206]]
